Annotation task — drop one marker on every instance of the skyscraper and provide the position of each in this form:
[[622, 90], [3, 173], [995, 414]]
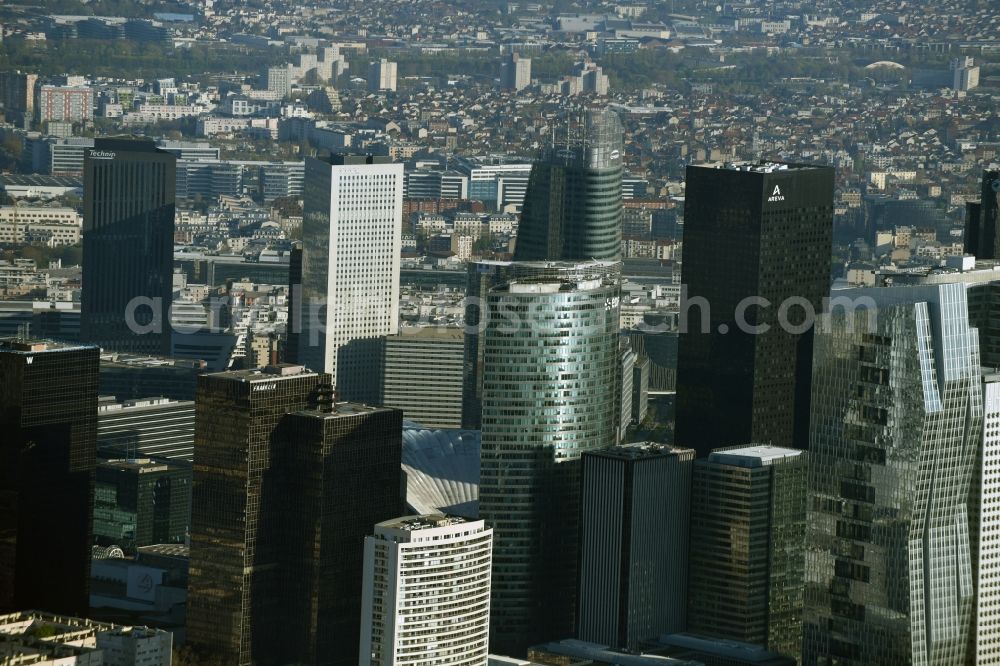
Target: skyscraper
[[573, 205], [48, 435], [982, 235], [757, 241], [128, 243], [515, 72], [985, 524], [426, 592], [382, 75], [336, 473], [351, 231], [550, 352], [635, 503], [233, 577], [748, 522], [896, 425]]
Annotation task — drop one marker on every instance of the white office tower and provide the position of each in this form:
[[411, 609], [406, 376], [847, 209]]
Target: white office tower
[[426, 596], [352, 222], [986, 520]]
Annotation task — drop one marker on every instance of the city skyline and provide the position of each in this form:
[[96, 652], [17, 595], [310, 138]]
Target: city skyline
[[405, 334]]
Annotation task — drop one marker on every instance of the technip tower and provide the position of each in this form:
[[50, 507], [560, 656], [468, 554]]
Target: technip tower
[[757, 241], [573, 205], [128, 246]]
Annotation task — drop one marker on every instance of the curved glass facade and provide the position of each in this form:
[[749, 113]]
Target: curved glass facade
[[573, 205], [896, 424], [550, 351]]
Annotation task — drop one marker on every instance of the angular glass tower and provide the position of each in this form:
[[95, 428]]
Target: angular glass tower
[[751, 231], [573, 206], [48, 439], [128, 245], [897, 410], [550, 352]]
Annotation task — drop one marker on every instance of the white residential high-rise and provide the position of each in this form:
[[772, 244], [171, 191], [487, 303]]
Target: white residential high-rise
[[279, 79], [351, 235], [426, 596], [986, 521], [382, 75], [515, 72]]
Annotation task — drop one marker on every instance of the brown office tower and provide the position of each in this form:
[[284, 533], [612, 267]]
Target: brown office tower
[[48, 440]]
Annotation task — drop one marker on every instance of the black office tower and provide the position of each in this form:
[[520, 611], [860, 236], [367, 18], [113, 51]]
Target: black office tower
[[48, 435], [757, 247], [336, 474], [635, 504], [128, 236], [981, 234], [573, 204], [232, 602]]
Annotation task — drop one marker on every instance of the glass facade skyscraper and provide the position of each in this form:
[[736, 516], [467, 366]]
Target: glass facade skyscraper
[[336, 474], [759, 231], [748, 522], [48, 440], [233, 576], [128, 244], [573, 206], [635, 503], [982, 235], [896, 426], [550, 352]]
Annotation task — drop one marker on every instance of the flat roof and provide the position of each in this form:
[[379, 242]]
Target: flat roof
[[270, 373], [140, 465], [39, 180], [762, 166], [635, 450], [26, 346], [425, 522], [433, 332], [338, 409], [757, 455]]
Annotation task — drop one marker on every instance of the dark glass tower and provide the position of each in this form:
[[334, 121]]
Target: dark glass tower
[[748, 525], [635, 503], [234, 576], [287, 484], [128, 240], [573, 204], [337, 474], [981, 234], [759, 231], [48, 439]]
